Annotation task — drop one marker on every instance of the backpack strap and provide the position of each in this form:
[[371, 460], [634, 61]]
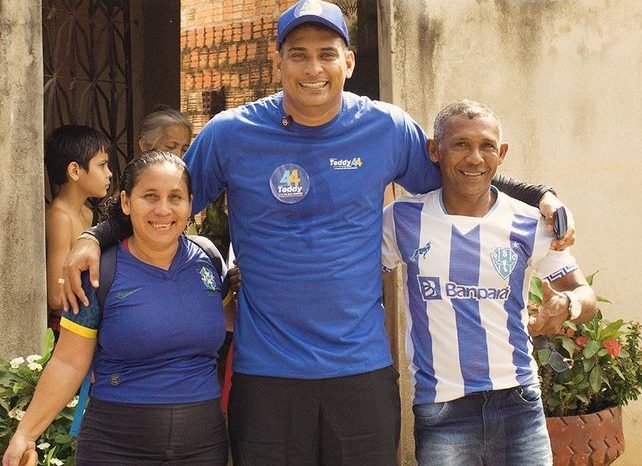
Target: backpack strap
[[107, 273]]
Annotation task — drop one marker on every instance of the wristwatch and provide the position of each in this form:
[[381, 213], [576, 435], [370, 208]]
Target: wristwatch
[[574, 305]]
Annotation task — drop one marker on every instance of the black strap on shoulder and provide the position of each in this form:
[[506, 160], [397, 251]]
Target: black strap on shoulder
[[215, 256], [107, 273]]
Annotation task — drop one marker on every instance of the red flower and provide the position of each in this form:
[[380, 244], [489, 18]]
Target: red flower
[[581, 340], [612, 346], [570, 332]]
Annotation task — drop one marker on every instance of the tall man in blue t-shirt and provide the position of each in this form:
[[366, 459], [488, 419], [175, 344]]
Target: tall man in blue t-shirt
[[305, 172], [467, 254]]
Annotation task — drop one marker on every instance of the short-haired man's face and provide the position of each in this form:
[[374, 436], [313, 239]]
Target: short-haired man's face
[[313, 65], [468, 154]]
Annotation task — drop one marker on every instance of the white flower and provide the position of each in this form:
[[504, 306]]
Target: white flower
[[34, 358], [73, 402], [43, 446], [16, 362], [16, 413], [34, 366], [55, 462]]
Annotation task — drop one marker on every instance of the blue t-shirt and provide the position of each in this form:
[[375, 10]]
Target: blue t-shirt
[[305, 210], [160, 330]]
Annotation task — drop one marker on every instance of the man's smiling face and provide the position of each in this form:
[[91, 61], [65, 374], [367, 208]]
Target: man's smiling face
[[468, 154], [313, 64]]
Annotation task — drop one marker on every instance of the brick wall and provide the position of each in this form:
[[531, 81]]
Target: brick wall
[[226, 54]]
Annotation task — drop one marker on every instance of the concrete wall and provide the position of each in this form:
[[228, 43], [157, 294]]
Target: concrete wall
[[564, 77], [22, 242]]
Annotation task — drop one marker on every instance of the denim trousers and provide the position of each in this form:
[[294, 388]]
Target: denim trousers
[[498, 428]]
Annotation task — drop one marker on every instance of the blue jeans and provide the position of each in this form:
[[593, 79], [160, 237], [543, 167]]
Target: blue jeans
[[498, 428]]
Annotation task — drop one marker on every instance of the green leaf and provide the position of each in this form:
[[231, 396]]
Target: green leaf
[[588, 364], [618, 371], [62, 438], [569, 345], [47, 346], [543, 355], [595, 378], [591, 348], [591, 277], [582, 398], [535, 290], [601, 353]]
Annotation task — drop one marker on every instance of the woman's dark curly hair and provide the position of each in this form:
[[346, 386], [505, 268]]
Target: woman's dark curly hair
[[131, 174]]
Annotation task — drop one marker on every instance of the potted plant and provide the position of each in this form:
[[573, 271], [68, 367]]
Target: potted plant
[[18, 379], [587, 373]]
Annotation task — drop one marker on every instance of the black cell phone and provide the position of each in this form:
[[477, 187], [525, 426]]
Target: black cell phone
[[560, 224]]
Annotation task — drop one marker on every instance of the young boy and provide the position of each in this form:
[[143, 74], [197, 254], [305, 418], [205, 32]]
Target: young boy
[[77, 163]]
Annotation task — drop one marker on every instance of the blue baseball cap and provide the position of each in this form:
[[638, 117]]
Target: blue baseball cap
[[311, 11]]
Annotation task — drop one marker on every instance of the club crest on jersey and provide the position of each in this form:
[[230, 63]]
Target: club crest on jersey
[[504, 260], [422, 251], [346, 164], [208, 278]]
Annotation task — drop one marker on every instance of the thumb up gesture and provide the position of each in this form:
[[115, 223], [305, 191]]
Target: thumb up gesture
[[553, 312]]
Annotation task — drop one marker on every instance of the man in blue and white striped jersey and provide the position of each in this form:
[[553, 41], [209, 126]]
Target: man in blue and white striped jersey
[[467, 253]]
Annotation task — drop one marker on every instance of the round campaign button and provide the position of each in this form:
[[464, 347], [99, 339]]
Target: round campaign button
[[289, 183]]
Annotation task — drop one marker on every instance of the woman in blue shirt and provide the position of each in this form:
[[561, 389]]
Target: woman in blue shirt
[[153, 347]]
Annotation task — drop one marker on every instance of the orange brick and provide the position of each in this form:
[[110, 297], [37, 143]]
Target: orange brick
[[203, 58], [251, 51], [198, 81], [241, 52], [212, 59], [191, 39], [209, 36], [222, 56], [227, 34], [207, 79], [257, 29], [236, 32], [188, 82], [246, 31], [245, 80], [216, 79], [255, 76], [218, 35]]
